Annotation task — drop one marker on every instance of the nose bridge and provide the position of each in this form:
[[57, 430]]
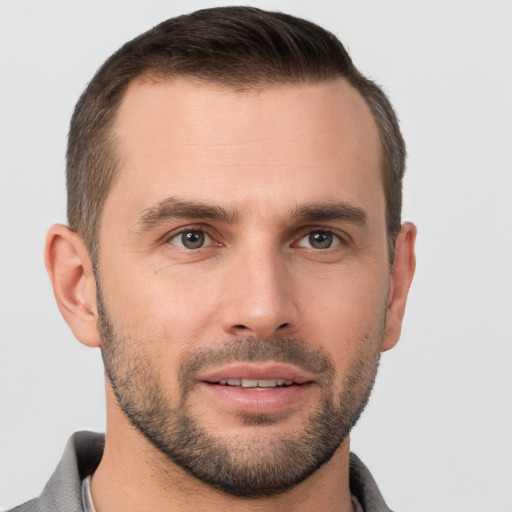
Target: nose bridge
[[261, 302]]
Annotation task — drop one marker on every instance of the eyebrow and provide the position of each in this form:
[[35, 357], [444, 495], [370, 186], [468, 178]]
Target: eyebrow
[[345, 212], [173, 208]]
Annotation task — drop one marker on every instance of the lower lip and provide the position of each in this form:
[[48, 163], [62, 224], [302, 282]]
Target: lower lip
[[258, 400]]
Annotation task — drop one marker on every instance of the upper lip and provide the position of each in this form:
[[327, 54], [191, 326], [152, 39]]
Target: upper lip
[[255, 371]]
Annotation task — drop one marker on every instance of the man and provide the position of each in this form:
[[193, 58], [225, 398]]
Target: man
[[235, 249]]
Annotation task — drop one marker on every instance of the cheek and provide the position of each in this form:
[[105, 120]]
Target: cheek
[[347, 312], [168, 309]]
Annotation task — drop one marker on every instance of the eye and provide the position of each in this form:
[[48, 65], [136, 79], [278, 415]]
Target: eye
[[191, 239], [320, 240]]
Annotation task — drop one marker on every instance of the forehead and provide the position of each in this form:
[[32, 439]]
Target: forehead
[[297, 143]]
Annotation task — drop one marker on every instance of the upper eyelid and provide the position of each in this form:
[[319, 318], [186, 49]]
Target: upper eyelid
[[174, 234], [184, 229]]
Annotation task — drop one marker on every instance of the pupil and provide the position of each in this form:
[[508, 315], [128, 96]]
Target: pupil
[[320, 240], [193, 239]]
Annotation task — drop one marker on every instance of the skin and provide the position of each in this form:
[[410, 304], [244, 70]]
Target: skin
[[260, 155]]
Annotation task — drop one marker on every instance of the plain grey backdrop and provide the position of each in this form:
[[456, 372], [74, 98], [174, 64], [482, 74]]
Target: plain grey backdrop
[[438, 432]]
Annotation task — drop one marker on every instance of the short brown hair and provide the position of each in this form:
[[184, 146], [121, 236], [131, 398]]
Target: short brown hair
[[238, 47]]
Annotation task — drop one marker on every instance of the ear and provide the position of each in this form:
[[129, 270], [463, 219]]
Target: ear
[[404, 264], [70, 269]]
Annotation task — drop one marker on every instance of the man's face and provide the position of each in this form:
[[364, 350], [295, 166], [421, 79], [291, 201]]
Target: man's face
[[244, 275]]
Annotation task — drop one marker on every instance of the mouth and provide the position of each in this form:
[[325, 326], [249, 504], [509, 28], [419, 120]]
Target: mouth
[[255, 384], [257, 389], [251, 375]]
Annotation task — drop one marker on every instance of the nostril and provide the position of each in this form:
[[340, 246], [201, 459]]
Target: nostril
[[283, 326], [240, 326]]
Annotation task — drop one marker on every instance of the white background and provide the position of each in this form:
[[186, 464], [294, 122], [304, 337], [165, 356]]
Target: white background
[[438, 432]]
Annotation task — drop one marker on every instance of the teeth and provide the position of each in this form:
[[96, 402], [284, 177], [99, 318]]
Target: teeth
[[248, 383], [268, 383]]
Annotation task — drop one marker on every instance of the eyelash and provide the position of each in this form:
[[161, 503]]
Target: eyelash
[[337, 238]]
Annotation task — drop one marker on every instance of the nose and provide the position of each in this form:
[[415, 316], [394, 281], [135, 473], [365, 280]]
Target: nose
[[260, 301]]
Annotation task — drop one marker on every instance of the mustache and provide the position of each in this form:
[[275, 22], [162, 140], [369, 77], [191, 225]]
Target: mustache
[[249, 350]]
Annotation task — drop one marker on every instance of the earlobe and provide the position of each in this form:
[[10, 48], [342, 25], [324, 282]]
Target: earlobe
[[404, 264], [70, 269]]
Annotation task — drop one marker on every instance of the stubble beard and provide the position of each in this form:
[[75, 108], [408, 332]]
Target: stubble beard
[[251, 468]]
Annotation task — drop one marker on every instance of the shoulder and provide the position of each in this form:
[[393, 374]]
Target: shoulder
[[63, 491], [29, 506]]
